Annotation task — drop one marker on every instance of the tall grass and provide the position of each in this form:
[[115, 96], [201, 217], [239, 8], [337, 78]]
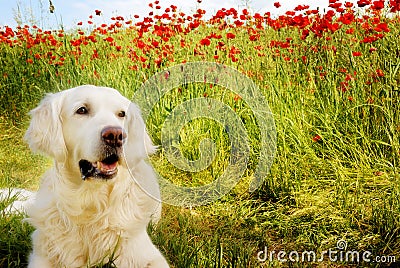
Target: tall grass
[[336, 108]]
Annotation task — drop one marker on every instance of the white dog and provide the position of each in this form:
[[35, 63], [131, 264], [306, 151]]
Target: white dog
[[97, 200]]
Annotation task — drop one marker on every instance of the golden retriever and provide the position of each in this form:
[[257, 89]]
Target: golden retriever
[[100, 195]]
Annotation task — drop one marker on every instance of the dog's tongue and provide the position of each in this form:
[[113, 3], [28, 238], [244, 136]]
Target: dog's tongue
[[103, 167]]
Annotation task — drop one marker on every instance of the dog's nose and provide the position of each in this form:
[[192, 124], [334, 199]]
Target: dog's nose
[[113, 136]]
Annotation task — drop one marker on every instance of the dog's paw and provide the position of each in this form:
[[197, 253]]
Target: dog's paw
[[158, 263]]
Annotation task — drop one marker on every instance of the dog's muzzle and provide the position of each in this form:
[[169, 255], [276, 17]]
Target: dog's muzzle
[[113, 138]]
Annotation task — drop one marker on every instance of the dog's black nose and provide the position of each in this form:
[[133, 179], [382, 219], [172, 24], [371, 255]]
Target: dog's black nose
[[113, 136]]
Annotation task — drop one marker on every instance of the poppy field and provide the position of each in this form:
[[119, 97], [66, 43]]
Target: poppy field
[[330, 78]]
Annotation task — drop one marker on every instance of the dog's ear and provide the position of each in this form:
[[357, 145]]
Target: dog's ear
[[139, 145], [45, 131]]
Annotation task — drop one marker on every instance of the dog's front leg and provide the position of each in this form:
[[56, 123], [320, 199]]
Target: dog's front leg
[[158, 262], [37, 261], [140, 252]]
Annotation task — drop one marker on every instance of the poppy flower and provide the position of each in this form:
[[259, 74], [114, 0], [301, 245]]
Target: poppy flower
[[109, 39], [378, 5], [301, 7], [205, 42], [348, 4], [95, 54], [316, 138], [254, 37], [382, 27], [394, 5], [363, 3], [380, 73], [372, 49], [230, 36]]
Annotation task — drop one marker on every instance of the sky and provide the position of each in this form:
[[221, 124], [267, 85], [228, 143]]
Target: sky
[[69, 12]]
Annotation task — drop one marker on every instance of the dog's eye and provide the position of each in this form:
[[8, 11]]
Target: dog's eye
[[82, 110], [121, 114]]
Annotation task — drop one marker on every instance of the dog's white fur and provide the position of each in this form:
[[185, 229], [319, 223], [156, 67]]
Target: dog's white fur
[[83, 222]]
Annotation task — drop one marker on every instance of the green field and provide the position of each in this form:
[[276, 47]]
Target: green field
[[331, 81]]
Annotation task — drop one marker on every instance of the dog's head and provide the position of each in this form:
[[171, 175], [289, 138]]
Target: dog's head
[[93, 130]]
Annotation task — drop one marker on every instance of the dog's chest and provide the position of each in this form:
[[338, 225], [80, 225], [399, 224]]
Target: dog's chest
[[96, 234]]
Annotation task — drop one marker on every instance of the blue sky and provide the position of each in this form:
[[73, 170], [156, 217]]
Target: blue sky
[[69, 12]]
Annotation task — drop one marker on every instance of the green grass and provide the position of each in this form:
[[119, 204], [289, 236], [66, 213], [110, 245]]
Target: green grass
[[15, 241], [335, 175]]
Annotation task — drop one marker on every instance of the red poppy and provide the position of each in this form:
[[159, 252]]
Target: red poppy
[[347, 18], [382, 27], [304, 34], [316, 138], [301, 7], [140, 44], [277, 4], [239, 23], [394, 5], [363, 3], [109, 39], [335, 5], [348, 4], [233, 58], [349, 77], [98, 12], [205, 42], [344, 86], [254, 37], [372, 49], [378, 5], [230, 36], [380, 73], [95, 54]]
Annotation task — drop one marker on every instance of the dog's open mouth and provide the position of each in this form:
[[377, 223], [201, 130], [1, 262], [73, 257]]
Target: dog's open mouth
[[104, 169]]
